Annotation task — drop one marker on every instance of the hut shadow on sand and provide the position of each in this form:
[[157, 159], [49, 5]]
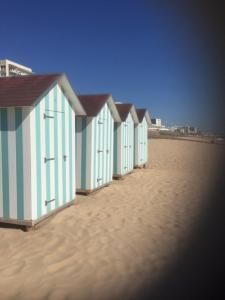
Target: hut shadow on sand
[[198, 272]]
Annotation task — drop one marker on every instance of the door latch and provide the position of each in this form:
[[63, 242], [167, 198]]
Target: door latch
[[47, 116], [48, 159]]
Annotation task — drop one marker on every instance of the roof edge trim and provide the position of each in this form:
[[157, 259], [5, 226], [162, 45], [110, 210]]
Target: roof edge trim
[[69, 92]]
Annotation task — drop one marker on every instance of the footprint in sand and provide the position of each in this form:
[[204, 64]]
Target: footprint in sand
[[140, 220], [61, 264], [17, 268]]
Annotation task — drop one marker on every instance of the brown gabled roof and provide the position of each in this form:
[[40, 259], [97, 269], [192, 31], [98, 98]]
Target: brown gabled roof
[[123, 109], [24, 90], [92, 104], [141, 113]]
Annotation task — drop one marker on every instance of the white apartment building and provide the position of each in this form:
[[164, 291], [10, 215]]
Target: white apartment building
[[157, 122], [10, 68]]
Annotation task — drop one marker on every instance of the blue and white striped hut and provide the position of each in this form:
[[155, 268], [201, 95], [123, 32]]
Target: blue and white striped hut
[[141, 138], [37, 146], [124, 140], [94, 142]]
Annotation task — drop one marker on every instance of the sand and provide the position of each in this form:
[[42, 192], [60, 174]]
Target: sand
[[111, 243]]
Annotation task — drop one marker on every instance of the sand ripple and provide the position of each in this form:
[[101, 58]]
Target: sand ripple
[[111, 242]]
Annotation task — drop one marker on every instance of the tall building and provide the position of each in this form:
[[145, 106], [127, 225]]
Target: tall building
[[157, 122], [10, 68]]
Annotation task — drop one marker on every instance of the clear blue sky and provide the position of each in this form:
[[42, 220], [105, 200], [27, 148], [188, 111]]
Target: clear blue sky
[[163, 55]]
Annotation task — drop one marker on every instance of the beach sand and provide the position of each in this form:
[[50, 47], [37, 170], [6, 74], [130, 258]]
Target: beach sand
[[113, 242]]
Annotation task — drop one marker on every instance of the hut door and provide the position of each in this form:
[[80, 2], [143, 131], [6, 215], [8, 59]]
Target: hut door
[[131, 144], [126, 146], [141, 144], [49, 159]]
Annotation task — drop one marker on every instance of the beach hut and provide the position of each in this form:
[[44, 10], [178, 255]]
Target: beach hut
[[94, 142], [124, 140], [141, 138], [37, 146]]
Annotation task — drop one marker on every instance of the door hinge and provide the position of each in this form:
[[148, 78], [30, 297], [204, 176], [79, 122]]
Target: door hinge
[[48, 201]]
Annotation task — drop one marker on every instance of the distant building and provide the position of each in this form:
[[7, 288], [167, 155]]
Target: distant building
[[157, 125], [10, 68], [156, 122], [187, 130]]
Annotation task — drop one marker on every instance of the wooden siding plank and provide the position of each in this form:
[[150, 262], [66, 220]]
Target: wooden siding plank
[[95, 152], [5, 165], [89, 157], [38, 161], [27, 182], [83, 153], [12, 160], [19, 163], [1, 191]]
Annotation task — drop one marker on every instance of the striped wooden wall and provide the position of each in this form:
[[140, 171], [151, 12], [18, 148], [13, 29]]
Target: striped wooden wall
[[37, 158], [124, 147], [15, 174], [94, 150], [141, 143]]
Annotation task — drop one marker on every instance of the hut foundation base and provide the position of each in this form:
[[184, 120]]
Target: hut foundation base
[[143, 166], [121, 177], [28, 225], [93, 191]]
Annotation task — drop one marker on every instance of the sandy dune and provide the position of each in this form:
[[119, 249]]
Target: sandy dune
[[111, 243]]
